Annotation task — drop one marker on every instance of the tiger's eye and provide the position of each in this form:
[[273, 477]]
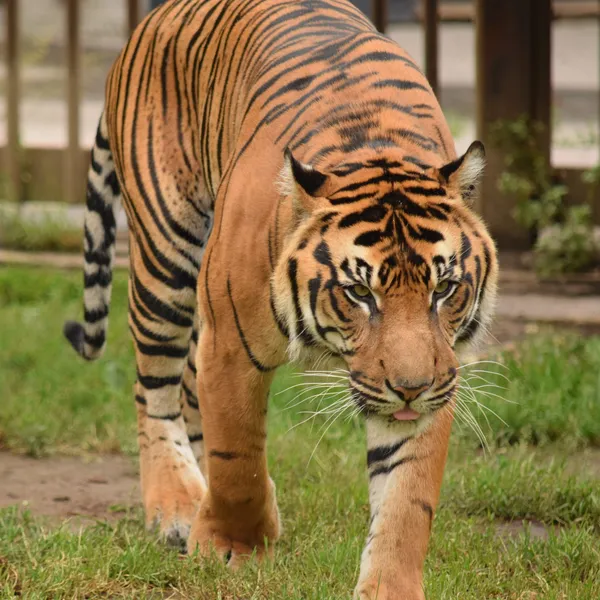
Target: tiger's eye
[[442, 287], [362, 291]]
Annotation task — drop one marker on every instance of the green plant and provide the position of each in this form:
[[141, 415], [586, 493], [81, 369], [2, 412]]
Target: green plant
[[564, 240], [43, 233], [566, 247], [592, 176], [527, 175]]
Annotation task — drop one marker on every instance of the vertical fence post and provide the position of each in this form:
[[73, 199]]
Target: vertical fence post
[[73, 184], [541, 72], [379, 12], [430, 21], [13, 150], [596, 192], [133, 15], [512, 80]]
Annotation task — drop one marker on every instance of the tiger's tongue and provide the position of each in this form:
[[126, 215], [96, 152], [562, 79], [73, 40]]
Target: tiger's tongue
[[406, 414]]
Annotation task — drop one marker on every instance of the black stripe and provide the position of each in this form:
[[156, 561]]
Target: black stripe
[[369, 238], [111, 181], [381, 453], [371, 388], [423, 191], [190, 396], [225, 455], [96, 341], [95, 202], [371, 214], [96, 166], [351, 199], [192, 367], [157, 307], [93, 316], [281, 325], [425, 506], [164, 350], [400, 84], [249, 353], [387, 469], [174, 225], [155, 383], [101, 142], [167, 417], [428, 235], [157, 337], [446, 396], [164, 70], [301, 330], [468, 333], [97, 257]]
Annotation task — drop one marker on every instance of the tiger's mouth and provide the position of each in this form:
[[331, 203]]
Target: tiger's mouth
[[371, 406]]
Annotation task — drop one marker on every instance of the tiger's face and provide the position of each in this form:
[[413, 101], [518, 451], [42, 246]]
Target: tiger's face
[[389, 270]]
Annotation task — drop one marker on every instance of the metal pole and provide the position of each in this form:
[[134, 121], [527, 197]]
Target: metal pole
[[505, 93], [430, 22], [379, 11], [73, 191], [133, 15], [13, 94]]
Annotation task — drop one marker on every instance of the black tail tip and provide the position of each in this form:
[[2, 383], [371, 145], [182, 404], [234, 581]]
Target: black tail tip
[[73, 331]]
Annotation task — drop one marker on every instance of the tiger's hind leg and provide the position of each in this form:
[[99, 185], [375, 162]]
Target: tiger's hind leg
[[161, 315], [189, 401]]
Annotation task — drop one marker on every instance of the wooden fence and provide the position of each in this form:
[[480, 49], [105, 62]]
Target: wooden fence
[[42, 164], [513, 78]]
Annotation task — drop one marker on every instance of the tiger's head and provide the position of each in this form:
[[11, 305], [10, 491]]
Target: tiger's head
[[387, 267]]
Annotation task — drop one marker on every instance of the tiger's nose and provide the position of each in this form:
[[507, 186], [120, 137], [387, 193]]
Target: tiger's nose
[[409, 392]]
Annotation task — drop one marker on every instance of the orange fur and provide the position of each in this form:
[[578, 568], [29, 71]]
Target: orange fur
[[292, 191]]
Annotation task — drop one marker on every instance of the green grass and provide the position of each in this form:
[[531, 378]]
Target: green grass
[[54, 402], [467, 560], [521, 484], [85, 407], [547, 391]]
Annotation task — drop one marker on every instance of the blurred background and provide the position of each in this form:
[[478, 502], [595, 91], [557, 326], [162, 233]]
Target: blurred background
[[520, 509], [517, 74]]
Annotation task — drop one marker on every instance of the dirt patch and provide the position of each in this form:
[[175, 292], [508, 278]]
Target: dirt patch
[[586, 462], [518, 528], [69, 487]]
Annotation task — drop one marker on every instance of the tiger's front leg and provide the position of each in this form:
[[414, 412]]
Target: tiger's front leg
[[238, 515], [405, 477], [160, 320]]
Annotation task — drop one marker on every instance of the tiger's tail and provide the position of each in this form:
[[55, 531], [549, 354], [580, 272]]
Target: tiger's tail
[[102, 203]]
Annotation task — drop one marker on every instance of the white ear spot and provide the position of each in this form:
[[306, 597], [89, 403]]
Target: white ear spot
[[465, 173], [305, 176], [471, 170], [301, 183], [285, 182]]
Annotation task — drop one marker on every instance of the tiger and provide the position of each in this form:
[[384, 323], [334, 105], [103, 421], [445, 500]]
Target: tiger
[[292, 191]]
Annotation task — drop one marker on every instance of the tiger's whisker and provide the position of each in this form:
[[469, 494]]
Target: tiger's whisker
[[482, 362]]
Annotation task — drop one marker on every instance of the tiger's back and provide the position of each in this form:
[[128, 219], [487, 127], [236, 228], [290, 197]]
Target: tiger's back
[[208, 82], [277, 160]]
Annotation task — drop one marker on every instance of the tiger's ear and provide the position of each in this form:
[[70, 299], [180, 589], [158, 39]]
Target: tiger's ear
[[463, 175], [303, 183]]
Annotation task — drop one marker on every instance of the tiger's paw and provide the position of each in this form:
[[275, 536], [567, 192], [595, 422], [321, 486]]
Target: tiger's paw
[[378, 589], [234, 536], [171, 500]]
